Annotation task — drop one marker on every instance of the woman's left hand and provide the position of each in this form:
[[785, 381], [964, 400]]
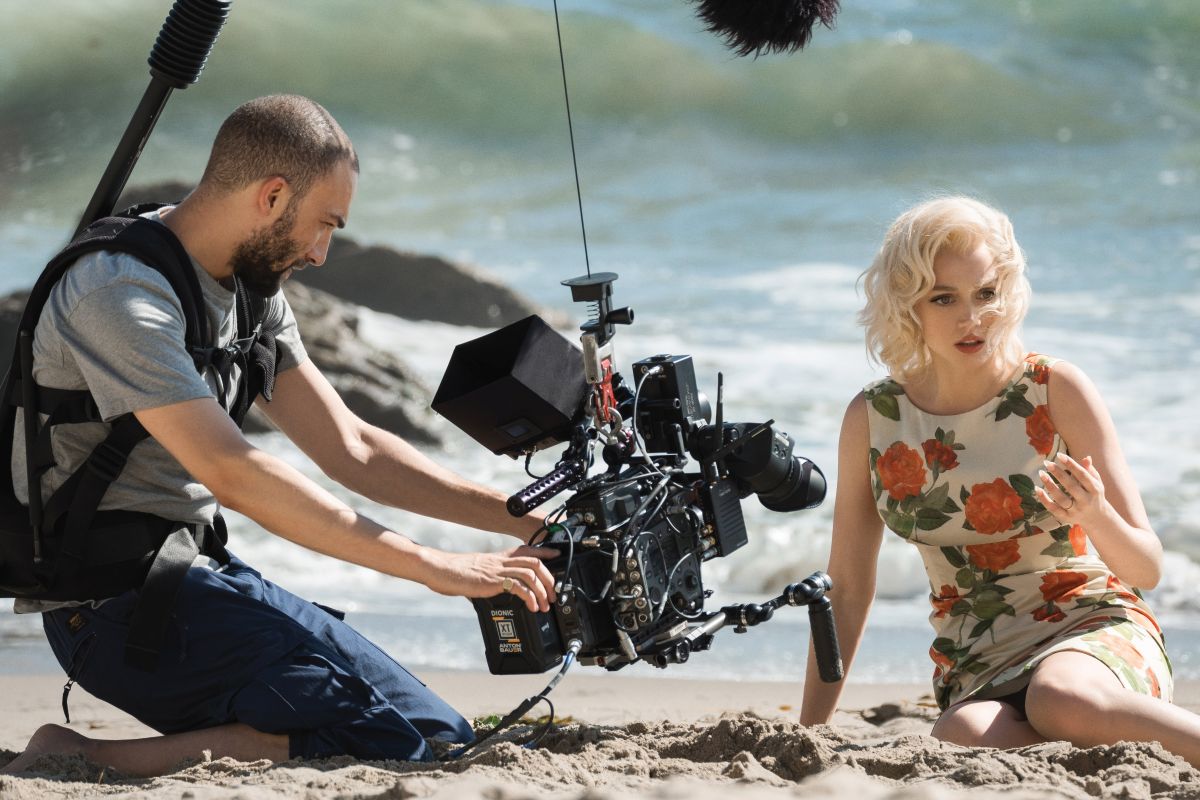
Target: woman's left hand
[[1078, 493]]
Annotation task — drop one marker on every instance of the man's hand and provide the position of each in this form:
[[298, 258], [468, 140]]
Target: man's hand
[[487, 574]]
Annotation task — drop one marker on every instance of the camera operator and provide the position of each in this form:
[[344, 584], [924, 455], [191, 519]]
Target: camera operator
[[246, 669]]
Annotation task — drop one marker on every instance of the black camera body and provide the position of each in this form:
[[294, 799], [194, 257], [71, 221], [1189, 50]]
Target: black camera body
[[630, 541]]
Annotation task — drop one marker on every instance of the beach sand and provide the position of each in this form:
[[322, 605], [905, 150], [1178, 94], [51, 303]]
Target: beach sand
[[628, 737]]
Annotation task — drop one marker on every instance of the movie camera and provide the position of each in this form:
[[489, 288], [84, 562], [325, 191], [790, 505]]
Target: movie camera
[[632, 538]]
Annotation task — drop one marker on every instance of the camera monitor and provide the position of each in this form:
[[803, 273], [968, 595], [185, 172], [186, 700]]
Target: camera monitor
[[516, 389]]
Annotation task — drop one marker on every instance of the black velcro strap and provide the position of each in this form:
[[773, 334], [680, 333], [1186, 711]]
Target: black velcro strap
[[156, 600], [211, 540], [264, 356], [80, 496], [258, 374], [69, 406]]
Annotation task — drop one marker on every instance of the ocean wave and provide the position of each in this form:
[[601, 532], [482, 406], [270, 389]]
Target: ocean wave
[[489, 73]]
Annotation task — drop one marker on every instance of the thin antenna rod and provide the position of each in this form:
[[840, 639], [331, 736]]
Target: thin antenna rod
[[570, 129]]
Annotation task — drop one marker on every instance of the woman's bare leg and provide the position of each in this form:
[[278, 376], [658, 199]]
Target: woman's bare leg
[[1075, 697], [154, 755], [985, 723]]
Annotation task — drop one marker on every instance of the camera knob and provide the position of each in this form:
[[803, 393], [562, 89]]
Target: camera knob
[[620, 316]]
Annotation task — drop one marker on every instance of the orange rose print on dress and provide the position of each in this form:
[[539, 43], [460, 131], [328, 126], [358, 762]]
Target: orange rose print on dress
[[1063, 585], [1123, 649], [1078, 540], [1040, 430], [941, 659], [993, 507], [1146, 621], [1115, 585], [1049, 613], [1041, 374], [996, 555], [901, 470], [946, 600], [939, 454], [1152, 681]]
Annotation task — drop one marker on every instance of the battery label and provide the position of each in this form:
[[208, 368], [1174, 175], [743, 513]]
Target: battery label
[[506, 631]]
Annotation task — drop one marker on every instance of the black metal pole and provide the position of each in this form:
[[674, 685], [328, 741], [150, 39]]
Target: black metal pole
[[126, 155], [178, 56]]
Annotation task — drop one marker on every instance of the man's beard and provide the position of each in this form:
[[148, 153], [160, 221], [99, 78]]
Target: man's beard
[[261, 262]]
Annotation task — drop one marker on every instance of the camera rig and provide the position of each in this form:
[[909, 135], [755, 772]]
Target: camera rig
[[631, 539]]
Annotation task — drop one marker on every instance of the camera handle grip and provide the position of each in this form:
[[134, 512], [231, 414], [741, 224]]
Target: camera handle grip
[[808, 592], [825, 642], [564, 475], [811, 592]]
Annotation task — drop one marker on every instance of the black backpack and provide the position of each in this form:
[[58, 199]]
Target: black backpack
[[64, 548]]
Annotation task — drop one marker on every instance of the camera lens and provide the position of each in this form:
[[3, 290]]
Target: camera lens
[[765, 464], [802, 487]]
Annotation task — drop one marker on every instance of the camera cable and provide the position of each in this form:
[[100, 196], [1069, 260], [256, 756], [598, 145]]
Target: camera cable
[[573, 648], [668, 597], [638, 443]]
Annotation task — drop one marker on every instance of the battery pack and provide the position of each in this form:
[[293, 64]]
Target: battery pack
[[517, 641]]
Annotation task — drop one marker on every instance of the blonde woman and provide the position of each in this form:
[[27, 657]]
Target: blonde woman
[[1000, 467]]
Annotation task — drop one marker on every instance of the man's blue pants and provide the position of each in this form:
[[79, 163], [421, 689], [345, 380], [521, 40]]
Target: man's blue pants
[[240, 649]]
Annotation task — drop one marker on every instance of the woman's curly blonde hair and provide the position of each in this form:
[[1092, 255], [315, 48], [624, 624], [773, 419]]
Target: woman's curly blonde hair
[[902, 273]]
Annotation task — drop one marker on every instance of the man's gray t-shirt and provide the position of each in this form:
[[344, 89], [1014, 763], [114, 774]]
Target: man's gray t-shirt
[[116, 327]]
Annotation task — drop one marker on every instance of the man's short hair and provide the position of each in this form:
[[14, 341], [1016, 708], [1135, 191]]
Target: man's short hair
[[283, 134]]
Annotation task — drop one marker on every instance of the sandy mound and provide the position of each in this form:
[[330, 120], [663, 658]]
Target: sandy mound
[[883, 754]]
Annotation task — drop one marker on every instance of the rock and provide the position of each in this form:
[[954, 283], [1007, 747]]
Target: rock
[[11, 307], [162, 192], [375, 384], [418, 287], [409, 285]]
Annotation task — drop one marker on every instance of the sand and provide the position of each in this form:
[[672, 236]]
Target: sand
[[629, 737]]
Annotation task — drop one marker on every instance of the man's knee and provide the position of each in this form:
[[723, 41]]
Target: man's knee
[[329, 709]]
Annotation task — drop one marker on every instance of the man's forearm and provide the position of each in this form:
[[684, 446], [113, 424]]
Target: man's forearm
[[391, 471], [301, 511]]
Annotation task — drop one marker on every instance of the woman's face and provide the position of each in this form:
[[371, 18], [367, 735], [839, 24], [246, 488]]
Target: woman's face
[[957, 314]]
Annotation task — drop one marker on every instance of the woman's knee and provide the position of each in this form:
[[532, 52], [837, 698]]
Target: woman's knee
[[970, 724], [1067, 699]]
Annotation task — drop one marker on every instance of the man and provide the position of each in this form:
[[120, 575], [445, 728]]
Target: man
[[248, 670]]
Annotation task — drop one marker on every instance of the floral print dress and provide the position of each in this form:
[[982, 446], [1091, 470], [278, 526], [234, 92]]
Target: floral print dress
[[1008, 584]]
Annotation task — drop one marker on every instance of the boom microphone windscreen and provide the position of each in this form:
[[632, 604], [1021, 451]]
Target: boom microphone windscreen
[[765, 26], [516, 389]]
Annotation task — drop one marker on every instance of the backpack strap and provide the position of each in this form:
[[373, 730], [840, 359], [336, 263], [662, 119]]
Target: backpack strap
[[151, 243], [71, 513], [259, 349]]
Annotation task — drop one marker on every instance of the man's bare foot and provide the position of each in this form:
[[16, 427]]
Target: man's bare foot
[[48, 740]]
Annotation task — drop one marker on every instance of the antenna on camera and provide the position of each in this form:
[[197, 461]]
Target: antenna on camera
[[562, 63]]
